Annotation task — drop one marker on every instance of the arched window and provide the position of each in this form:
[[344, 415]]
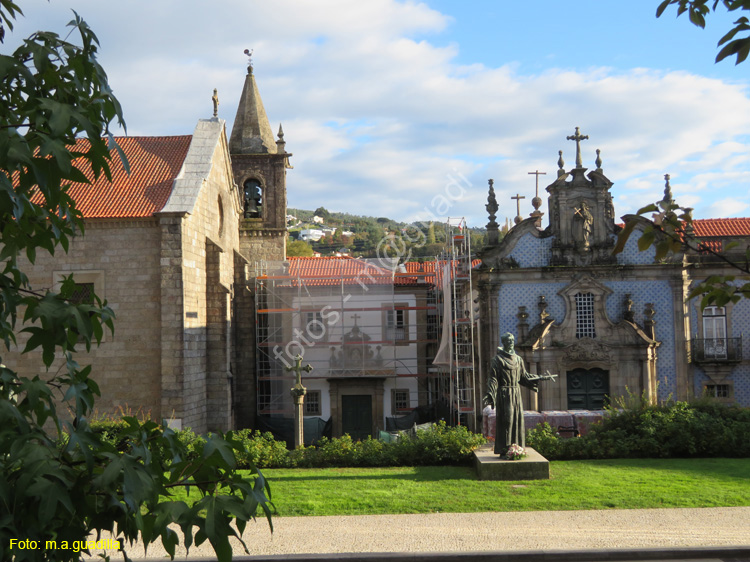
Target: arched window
[[253, 199]]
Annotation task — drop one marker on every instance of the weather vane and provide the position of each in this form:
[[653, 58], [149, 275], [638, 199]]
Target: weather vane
[[249, 53]]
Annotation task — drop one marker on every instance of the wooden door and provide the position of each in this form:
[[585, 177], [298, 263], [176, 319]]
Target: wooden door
[[356, 416]]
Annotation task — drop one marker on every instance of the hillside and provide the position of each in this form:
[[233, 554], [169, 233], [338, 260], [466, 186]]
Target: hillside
[[363, 235]]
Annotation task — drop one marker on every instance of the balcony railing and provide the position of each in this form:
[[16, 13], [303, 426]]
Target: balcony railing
[[717, 350]]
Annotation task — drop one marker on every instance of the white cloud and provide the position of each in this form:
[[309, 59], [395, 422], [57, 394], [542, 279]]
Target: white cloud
[[377, 113], [729, 207]]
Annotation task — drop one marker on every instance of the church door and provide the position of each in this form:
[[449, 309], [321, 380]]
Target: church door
[[587, 389], [356, 416]]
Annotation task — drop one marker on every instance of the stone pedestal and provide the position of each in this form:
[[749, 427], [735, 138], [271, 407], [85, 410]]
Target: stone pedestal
[[490, 466], [298, 394]]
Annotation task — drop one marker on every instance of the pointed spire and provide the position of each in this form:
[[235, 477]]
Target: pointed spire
[[668, 199], [251, 132], [280, 143]]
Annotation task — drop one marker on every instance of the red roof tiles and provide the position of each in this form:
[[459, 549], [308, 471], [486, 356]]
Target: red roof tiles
[[332, 270], [154, 164], [717, 228]]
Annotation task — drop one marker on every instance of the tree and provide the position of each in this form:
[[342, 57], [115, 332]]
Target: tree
[[58, 480], [299, 248], [431, 233], [697, 11], [322, 212]]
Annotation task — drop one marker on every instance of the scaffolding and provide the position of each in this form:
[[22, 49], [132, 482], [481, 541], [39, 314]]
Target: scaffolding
[[353, 318], [348, 318], [455, 360]]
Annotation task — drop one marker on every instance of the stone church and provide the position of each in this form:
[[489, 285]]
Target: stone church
[[608, 324], [168, 247]]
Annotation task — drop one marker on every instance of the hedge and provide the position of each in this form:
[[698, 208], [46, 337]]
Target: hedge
[[675, 429], [438, 445]]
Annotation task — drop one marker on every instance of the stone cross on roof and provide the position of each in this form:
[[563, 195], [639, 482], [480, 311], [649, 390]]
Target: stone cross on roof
[[518, 198], [578, 137], [537, 173]]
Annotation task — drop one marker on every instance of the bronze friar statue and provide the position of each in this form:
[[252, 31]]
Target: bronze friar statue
[[507, 375]]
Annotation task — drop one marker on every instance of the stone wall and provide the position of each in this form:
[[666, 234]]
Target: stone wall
[[210, 239], [121, 258]]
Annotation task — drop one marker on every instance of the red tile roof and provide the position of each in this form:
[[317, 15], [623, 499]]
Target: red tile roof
[[332, 270], [718, 228], [154, 164], [325, 271]]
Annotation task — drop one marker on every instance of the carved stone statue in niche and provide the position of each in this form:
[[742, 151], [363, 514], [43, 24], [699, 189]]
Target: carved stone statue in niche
[[584, 223]]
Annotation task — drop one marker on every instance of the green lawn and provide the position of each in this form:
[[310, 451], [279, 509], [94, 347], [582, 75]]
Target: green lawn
[[594, 484], [620, 484]]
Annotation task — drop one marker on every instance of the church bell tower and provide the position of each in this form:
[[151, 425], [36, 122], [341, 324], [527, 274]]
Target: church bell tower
[[259, 165]]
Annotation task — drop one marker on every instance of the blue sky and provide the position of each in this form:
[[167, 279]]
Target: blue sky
[[405, 109]]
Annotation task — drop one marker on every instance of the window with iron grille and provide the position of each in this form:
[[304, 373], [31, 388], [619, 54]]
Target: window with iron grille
[[585, 326], [83, 293], [718, 391], [400, 401], [312, 403]]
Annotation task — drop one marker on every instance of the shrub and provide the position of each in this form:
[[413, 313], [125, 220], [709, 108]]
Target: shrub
[[437, 445], [674, 429]]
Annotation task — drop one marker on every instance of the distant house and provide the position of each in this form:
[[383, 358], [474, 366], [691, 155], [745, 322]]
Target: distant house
[[318, 220], [362, 326], [311, 234]]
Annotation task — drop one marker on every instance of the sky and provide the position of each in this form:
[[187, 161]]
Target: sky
[[405, 109]]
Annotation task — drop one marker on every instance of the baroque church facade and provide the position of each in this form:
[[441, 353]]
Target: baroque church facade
[[609, 325]]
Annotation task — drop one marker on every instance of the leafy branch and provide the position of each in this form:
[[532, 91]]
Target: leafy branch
[[697, 11], [671, 232], [58, 478]]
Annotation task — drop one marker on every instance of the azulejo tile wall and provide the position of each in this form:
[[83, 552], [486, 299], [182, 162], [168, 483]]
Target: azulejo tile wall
[[631, 255], [513, 295], [659, 293], [738, 324], [531, 251]]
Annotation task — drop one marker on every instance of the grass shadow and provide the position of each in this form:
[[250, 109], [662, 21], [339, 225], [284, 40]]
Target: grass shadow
[[412, 474]]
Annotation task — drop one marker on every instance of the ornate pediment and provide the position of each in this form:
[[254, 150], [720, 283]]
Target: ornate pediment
[[588, 350]]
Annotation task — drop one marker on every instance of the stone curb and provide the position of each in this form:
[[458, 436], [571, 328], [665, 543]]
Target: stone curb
[[711, 554]]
